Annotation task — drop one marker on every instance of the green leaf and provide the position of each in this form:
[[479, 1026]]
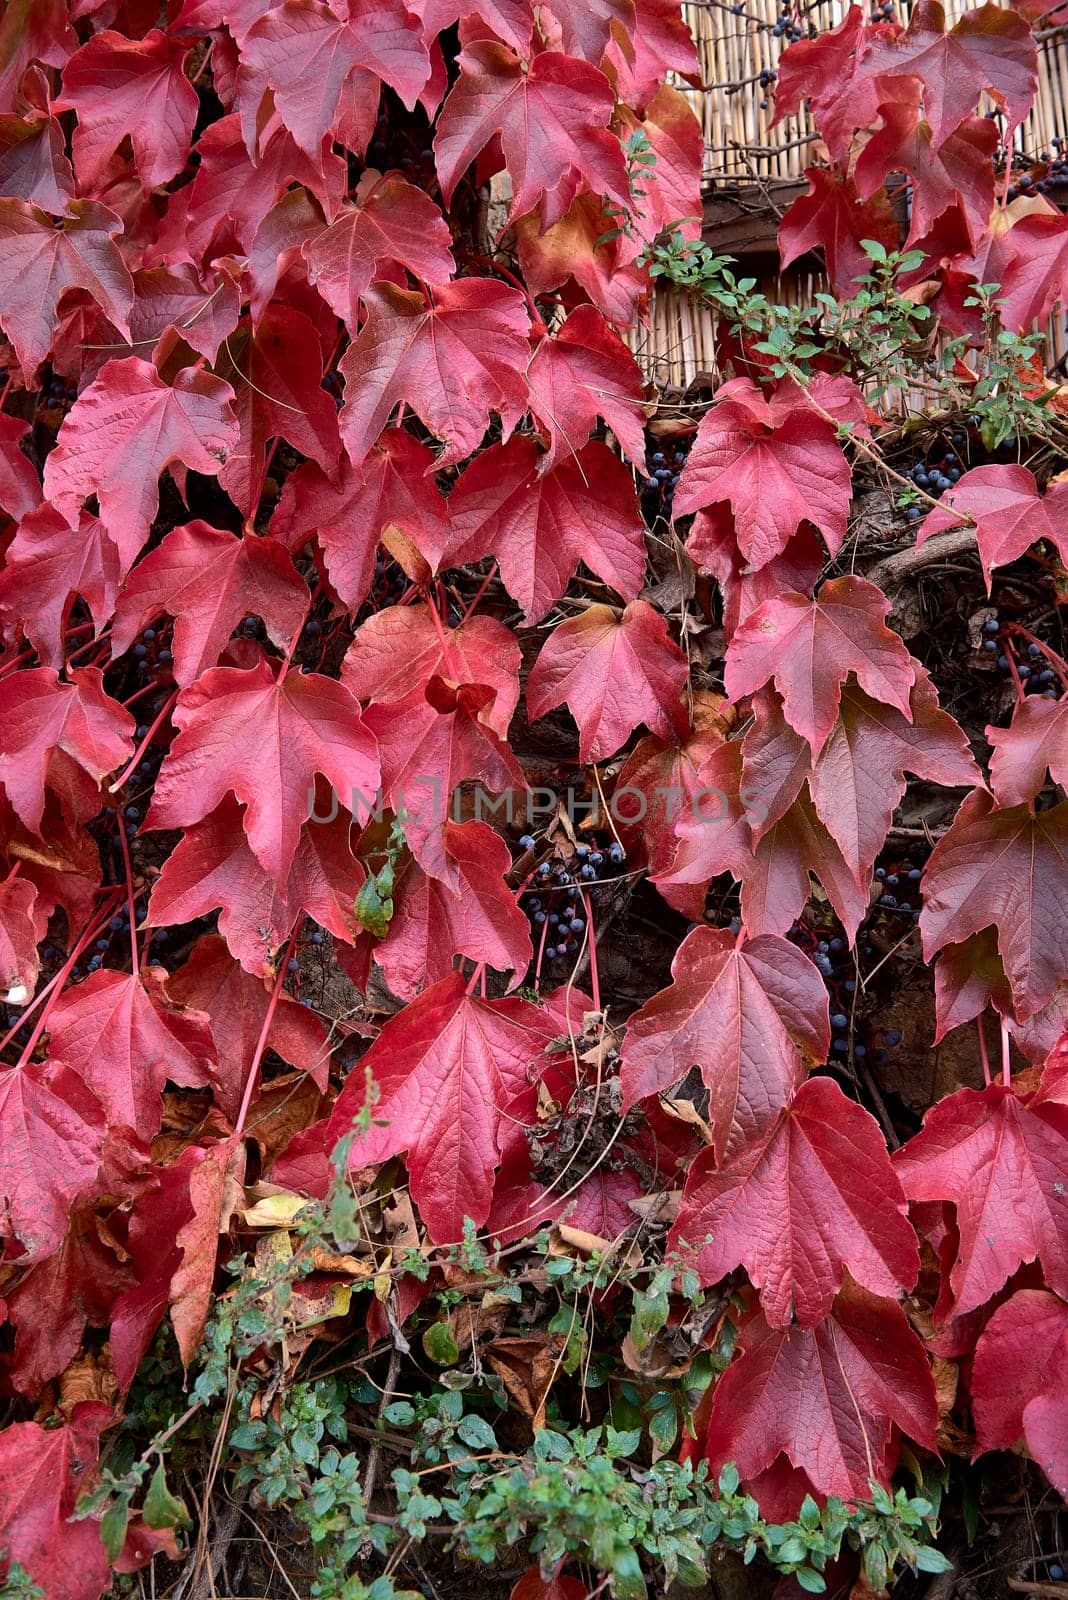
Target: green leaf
[[928, 1559], [729, 1479], [373, 906], [440, 1346], [162, 1509], [113, 1528], [810, 1580]]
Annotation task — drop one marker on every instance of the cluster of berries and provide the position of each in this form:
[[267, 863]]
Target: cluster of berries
[[899, 888], [658, 490], [1031, 667], [786, 28], [554, 903], [934, 477]]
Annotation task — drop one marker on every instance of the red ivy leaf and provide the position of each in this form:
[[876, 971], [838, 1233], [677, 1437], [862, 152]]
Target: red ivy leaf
[[551, 116], [983, 1150], [832, 217], [207, 579], [1035, 742], [307, 54], [810, 646], [1006, 869], [52, 1130], [1009, 514], [41, 257], [40, 715], [612, 672], [540, 525], [825, 1397], [393, 223], [48, 564], [817, 1196], [454, 360], [585, 371], [390, 497], [263, 740], [130, 88], [212, 868], [42, 1473], [1018, 1360], [395, 650], [20, 487], [120, 434], [989, 48], [777, 464], [752, 1015], [120, 1035]]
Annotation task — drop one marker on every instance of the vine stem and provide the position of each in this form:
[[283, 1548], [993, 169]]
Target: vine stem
[[983, 1056], [261, 1042], [131, 766], [47, 997], [134, 957]]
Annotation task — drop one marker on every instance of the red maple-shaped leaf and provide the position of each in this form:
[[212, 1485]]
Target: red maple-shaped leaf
[[612, 672], [47, 565], [130, 88], [583, 372], [1034, 743], [208, 579], [447, 1068], [776, 883], [817, 1196], [201, 310], [263, 740], [808, 647], [19, 961], [859, 777], [776, 467], [1006, 869], [275, 370], [42, 256], [36, 30], [571, 249], [1004, 1166], [436, 738], [1018, 1382], [307, 54], [455, 359], [33, 160], [51, 1305], [433, 922], [1008, 512], [541, 525], [393, 223], [1034, 271], [828, 71], [397, 649], [390, 498], [989, 49], [20, 487], [825, 1397], [833, 218], [120, 434], [52, 1129], [41, 715], [212, 868], [120, 1035], [42, 1473], [752, 1015], [237, 1002], [960, 175], [551, 117]]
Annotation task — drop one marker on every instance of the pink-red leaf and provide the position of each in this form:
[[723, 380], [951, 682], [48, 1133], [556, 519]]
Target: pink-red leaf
[[47, 565], [551, 117], [454, 360], [752, 1015], [810, 646], [1008, 512], [52, 1130], [817, 1196], [541, 525], [1005, 1168], [263, 740], [207, 579], [121, 433], [612, 672], [130, 88], [583, 372], [40, 716], [825, 1397], [42, 1473]]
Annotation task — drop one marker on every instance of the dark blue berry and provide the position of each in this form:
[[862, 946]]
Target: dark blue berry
[[839, 1020], [526, 842], [892, 1037]]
